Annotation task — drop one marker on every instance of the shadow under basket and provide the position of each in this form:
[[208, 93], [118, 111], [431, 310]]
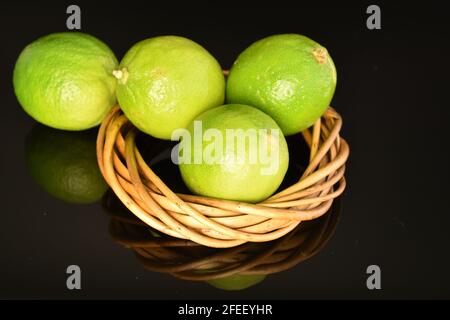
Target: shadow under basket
[[215, 222]]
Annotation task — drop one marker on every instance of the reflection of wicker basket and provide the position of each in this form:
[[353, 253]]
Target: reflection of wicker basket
[[221, 223], [189, 261]]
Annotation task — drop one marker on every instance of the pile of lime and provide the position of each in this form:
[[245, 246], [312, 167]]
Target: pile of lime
[[171, 87]]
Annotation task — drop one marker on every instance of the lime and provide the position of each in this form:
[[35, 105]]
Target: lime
[[65, 81], [289, 76], [64, 164], [240, 154], [237, 282], [164, 82]]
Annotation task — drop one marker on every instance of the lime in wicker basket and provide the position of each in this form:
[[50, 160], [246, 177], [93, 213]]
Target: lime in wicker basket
[[215, 222]]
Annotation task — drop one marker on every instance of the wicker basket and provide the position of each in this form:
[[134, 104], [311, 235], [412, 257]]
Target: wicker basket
[[222, 223], [188, 260]]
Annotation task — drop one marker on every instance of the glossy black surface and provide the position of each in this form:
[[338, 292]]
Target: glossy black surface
[[392, 93]]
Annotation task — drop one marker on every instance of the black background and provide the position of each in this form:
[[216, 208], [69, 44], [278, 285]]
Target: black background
[[392, 93]]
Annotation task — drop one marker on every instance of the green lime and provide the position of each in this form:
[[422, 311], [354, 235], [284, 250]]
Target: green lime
[[237, 282], [64, 164], [233, 152], [65, 81], [289, 76], [164, 82]]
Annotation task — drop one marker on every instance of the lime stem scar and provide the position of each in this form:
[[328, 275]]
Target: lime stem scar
[[320, 54], [121, 75]]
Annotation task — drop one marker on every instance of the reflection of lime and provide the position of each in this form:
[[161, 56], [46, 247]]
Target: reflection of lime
[[154, 233], [64, 164], [235, 175], [288, 76], [164, 82], [64, 80], [237, 282]]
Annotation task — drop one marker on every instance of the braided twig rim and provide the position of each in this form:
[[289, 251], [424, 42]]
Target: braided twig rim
[[215, 222]]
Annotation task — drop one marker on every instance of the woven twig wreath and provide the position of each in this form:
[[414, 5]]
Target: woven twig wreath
[[214, 222], [187, 260]]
